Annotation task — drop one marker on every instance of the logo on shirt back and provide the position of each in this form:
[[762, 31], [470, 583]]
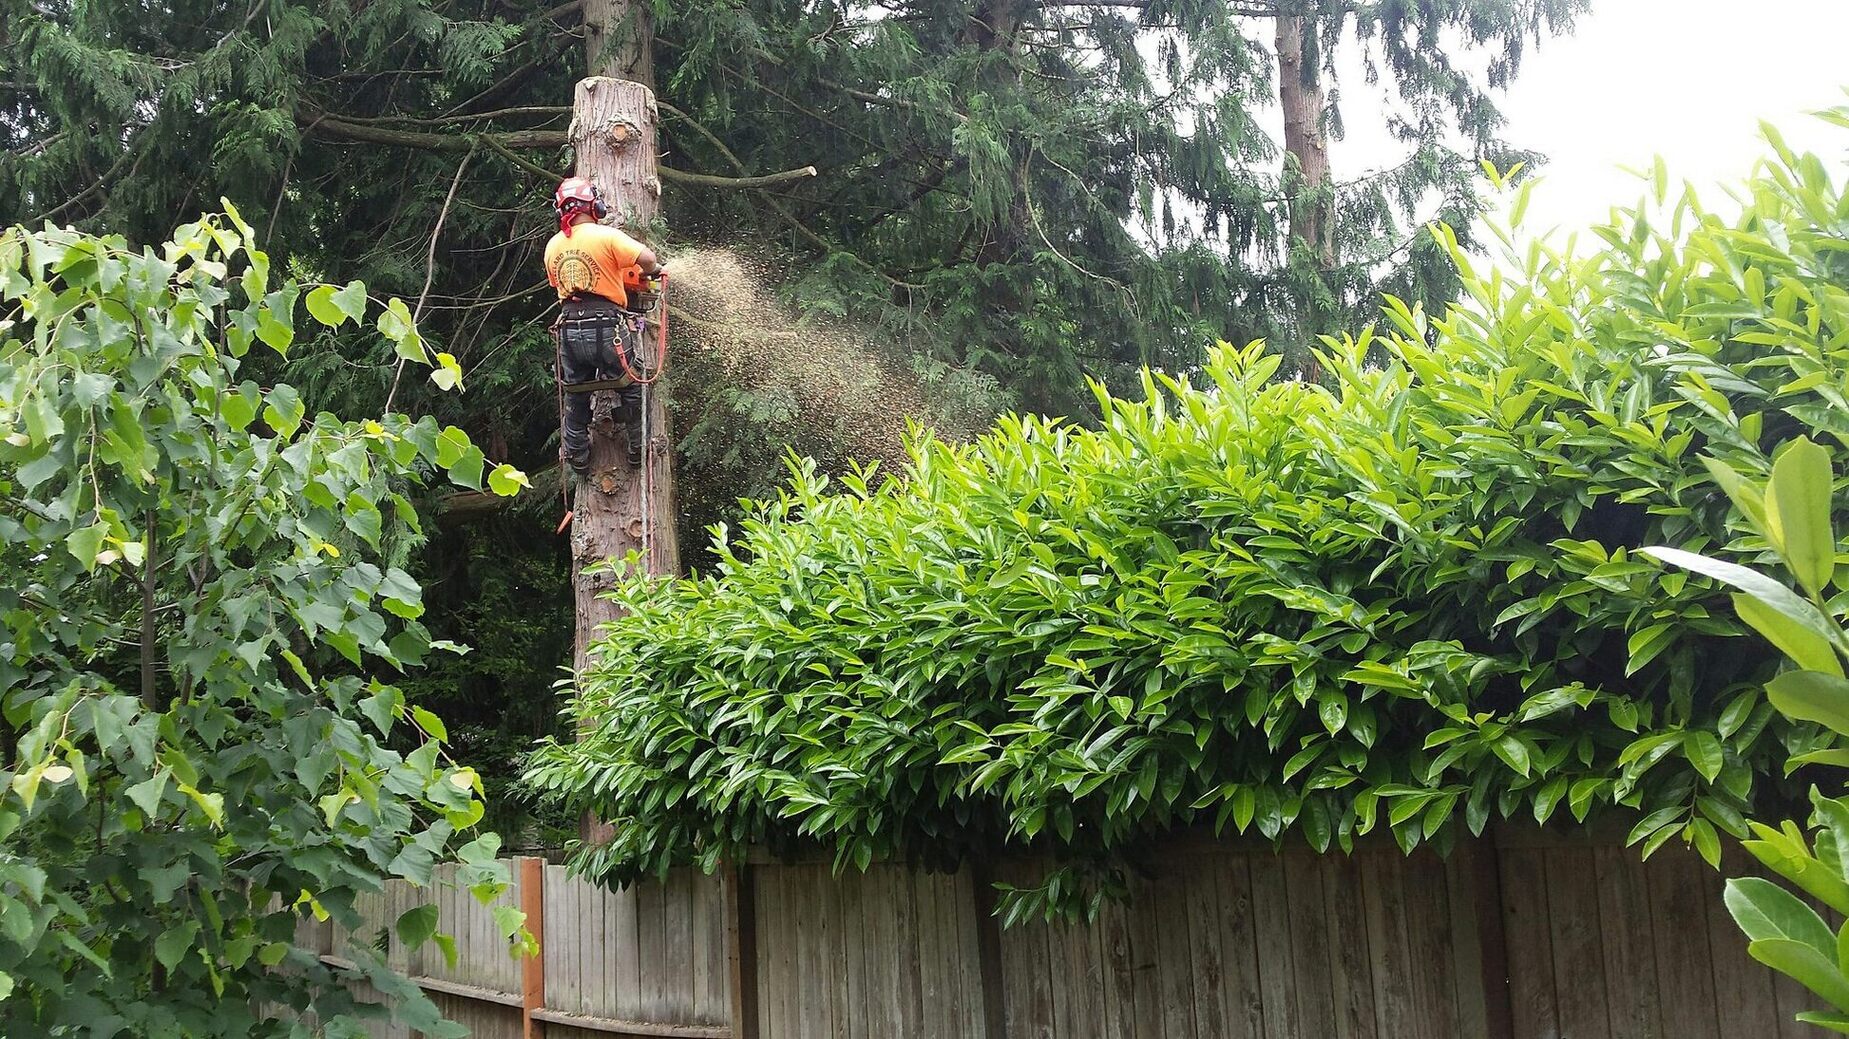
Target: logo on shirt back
[[577, 272]]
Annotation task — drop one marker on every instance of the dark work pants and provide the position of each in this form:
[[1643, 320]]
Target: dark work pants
[[576, 432]]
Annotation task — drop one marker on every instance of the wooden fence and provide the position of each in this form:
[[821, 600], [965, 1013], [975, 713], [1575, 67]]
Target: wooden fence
[[1529, 936]]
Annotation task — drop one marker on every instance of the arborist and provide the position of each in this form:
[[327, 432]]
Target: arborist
[[601, 276]]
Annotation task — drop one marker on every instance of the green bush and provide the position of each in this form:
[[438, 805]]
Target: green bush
[[1792, 514], [193, 569], [1388, 603]]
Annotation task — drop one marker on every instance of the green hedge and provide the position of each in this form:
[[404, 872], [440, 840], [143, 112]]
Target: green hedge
[[1407, 600]]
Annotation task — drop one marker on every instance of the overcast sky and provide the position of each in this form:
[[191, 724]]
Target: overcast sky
[[1686, 79]]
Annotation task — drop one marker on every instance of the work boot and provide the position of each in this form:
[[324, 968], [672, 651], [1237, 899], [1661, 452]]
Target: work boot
[[580, 461], [635, 447]]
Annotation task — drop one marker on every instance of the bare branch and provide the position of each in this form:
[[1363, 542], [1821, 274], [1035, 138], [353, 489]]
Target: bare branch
[[706, 180]]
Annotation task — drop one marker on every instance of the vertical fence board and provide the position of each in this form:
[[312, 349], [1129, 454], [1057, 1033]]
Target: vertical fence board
[[1682, 957], [1242, 996], [1627, 937], [1530, 943], [1276, 971], [1309, 924], [1350, 969], [1479, 956], [1428, 933], [1382, 888], [1204, 940], [1176, 978], [856, 953], [905, 945], [1119, 965], [1026, 976], [1145, 949], [1580, 977], [1742, 989]]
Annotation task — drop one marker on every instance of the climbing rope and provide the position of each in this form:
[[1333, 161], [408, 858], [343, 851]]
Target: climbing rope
[[648, 394]]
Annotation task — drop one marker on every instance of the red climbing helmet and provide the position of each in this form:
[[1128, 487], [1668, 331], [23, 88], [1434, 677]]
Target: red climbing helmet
[[576, 195]]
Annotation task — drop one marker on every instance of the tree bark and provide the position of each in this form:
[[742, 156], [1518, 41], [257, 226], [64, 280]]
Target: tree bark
[[1306, 143], [619, 40], [618, 510]]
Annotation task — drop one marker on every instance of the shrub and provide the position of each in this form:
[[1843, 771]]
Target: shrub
[[1387, 603], [195, 569]]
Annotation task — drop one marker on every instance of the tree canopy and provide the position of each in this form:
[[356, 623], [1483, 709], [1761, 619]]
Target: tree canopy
[[1407, 601]]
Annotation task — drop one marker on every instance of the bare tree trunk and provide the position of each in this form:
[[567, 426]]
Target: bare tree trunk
[[1306, 143], [619, 510], [619, 40]]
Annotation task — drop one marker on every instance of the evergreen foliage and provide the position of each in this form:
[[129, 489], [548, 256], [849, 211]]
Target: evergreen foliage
[[198, 568], [1395, 603]]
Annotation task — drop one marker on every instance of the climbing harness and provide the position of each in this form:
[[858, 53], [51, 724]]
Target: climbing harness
[[627, 331]]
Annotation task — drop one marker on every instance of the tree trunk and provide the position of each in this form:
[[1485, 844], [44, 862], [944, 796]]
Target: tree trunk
[[618, 510], [1306, 144], [619, 40]]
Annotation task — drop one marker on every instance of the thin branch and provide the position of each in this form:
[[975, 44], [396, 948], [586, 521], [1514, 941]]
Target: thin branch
[[707, 180], [430, 269], [340, 128], [550, 111], [514, 157]]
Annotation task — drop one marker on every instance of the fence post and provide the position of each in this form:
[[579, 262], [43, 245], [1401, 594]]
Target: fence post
[[533, 968]]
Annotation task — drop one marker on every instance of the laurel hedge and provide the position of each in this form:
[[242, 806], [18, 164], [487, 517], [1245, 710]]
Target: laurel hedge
[[1405, 601]]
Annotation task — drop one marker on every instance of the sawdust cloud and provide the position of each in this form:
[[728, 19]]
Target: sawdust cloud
[[839, 391]]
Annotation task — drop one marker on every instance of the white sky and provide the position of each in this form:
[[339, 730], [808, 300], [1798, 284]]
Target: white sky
[[1687, 79]]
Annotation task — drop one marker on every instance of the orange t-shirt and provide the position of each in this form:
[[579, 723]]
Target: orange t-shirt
[[591, 259]]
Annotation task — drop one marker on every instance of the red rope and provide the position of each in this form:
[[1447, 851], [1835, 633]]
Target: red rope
[[661, 340]]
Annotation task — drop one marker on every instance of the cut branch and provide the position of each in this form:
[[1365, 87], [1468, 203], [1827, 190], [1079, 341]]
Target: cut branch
[[707, 180], [342, 128]]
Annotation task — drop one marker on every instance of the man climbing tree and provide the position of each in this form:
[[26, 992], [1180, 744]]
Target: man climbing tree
[[593, 268]]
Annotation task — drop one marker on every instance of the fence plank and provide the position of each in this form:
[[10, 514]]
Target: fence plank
[[1119, 970], [677, 932], [1025, 974], [1204, 940], [532, 880], [1382, 888], [1243, 997], [1627, 938], [1683, 964], [1310, 959], [618, 909], [1145, 950], [1428, 931], [905, 945], [1171, 909], [1276, 971], [1479, 955], [1530, 944], [1742, 988], [1580, 976], [1351, 970], [651, 941], [970, 958], [855, 950]]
